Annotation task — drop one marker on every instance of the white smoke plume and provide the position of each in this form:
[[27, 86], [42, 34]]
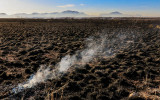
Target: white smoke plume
[[106, 46]]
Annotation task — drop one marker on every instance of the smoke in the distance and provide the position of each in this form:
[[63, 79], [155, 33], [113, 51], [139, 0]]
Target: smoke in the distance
[[106, 45]]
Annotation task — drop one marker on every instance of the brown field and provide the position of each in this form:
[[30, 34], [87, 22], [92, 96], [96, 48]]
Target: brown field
[[132, 72]]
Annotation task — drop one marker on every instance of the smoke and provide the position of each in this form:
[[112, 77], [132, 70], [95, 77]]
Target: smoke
[[106, 45], [41, 76]]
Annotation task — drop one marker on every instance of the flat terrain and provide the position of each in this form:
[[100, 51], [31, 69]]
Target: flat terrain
[[129, 70]]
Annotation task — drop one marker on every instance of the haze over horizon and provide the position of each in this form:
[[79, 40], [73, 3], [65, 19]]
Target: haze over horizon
[[144, 8]]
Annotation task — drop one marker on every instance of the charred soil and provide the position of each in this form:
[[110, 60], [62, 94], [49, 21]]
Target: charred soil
[[132, 73]]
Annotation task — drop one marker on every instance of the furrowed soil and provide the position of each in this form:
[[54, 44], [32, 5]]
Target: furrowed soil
[[131, 74]]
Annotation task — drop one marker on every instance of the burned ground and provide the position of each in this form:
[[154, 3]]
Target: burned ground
[[131, 71]]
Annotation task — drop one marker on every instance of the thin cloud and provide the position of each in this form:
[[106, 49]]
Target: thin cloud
[[82, 4], [66, 6]]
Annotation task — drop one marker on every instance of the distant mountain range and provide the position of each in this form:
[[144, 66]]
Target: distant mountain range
[[2, 14], [118, 14], [67, 13]]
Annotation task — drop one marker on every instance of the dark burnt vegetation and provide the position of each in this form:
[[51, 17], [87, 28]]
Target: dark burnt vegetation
[[25, 44]]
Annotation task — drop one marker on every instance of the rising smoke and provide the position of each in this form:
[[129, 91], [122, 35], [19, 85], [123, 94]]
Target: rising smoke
[[108, 45]]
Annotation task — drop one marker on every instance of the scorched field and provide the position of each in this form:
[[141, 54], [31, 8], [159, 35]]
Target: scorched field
[[80, 59]]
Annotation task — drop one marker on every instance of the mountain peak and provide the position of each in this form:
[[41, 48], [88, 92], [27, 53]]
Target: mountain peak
[[3, 14], [116, 13], [70, 12]]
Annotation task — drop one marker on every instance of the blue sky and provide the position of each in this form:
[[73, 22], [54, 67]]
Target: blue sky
[[91, 7]]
